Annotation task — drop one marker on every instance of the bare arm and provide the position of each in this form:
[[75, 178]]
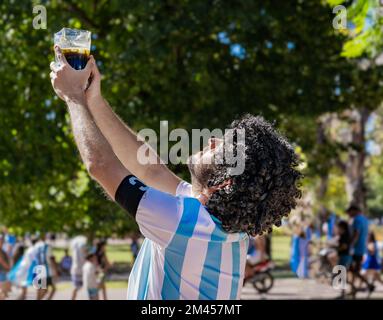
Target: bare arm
[[108, 264], [125, 143], [96, 153]]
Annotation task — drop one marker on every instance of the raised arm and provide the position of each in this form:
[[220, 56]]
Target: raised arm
[[125, 143], [95, 151]]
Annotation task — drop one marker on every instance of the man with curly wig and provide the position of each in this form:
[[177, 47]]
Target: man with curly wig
[[196, 234]]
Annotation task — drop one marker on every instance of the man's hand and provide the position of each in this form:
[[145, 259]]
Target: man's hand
[[122, 139], [93, 93], [68, 83]]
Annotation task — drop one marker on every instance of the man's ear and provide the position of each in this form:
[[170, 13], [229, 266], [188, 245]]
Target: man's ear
[[227, 182], [206, 193]]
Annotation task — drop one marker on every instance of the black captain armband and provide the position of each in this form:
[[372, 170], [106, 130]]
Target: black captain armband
[[129, 194]]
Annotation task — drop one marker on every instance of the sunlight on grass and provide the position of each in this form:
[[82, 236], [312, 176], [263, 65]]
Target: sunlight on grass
[[281, 250], [119, 253]]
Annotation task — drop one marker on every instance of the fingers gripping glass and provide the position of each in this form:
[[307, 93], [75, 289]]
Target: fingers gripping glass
[[74, 45]]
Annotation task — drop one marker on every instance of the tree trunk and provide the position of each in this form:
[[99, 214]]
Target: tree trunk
[[322, 124], [355, 166], [321, 141]]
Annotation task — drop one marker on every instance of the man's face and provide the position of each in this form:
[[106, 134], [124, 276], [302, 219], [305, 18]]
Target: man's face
[[201, 163]]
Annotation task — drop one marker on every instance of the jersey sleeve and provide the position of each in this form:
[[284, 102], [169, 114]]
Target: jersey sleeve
[[157, 213], [184, 189]]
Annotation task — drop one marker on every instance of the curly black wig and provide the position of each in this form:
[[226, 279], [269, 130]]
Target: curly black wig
[[268, 188]]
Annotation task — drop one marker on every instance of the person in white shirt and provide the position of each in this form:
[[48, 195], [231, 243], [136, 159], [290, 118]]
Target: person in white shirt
[[78, 248], [22, 273], [89, 271]]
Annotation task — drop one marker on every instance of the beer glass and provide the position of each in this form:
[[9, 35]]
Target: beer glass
[[75, 46]]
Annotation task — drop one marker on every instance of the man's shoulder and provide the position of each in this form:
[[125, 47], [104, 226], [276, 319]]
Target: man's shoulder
[[184, 189]]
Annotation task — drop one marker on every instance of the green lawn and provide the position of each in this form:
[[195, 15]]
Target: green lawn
[[121, 254], [281, 256], [281, 250], [121, 257], [118, 254]]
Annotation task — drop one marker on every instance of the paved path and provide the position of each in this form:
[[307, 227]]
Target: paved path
[[283, 289]]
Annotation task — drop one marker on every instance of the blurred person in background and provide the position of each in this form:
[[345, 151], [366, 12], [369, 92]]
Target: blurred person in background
[[4, 268], [78, 247], [299, 257], [255, 254], [9, 242], [66, 263], [89, 271], [21, 274], [45, 258], [17, 255], [372, 266], [104, 266], [342, 232], [341, 243], [18, 252], [331, 220], [358, 246], [135, 246]]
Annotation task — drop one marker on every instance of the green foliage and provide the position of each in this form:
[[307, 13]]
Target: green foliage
[[365, 22], [375, 184], [335, 198]]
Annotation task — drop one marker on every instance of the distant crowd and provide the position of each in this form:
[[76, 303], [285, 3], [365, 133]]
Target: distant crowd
[[29, 262], [349, 243]]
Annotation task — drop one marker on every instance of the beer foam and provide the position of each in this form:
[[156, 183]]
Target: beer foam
[[83, 51]]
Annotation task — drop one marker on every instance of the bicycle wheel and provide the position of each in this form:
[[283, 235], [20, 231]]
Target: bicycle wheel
[[263, 282]]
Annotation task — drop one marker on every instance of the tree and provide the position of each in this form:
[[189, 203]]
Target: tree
[[365, 21], [365, 91]]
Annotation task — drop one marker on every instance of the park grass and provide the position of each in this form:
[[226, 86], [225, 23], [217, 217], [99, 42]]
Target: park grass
[[280, 250], [122, 258], [120, 254], [117, 254], [281, 256]]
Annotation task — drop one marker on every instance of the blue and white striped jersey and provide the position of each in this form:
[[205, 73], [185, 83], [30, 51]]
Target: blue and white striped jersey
[[186, 253], [43, 256]]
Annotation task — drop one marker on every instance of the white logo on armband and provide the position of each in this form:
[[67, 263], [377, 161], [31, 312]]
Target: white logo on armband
[[133, 181]]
